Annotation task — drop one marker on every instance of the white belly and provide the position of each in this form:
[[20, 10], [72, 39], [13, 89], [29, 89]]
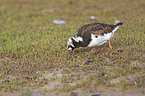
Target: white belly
[[101, 39], [96, 41]]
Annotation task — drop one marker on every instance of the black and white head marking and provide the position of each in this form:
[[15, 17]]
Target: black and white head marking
[[71, 45]]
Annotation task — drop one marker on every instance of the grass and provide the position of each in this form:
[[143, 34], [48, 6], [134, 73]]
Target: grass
[[30, 45]]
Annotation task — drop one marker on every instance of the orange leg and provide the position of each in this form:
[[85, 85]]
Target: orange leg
[[90, 51], [110, 45]]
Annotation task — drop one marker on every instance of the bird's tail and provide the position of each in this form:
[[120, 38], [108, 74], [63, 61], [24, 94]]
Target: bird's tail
[[118, 24]]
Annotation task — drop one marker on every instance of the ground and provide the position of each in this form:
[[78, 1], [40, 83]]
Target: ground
[[34, 59]]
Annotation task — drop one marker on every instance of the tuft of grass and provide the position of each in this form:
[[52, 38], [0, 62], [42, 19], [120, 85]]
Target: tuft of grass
[[54, 86], [27, 93], [45, 90], [65, 88], [142, 91]]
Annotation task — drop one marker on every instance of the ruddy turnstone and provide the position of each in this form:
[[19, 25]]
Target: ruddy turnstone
[[91, 35]]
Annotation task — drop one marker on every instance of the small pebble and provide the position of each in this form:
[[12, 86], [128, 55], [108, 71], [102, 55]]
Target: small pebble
[[95, 94], [94, 18], [59, 21], [73, 94]]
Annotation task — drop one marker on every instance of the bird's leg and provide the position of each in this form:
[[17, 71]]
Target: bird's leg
[[90, 51], [110, 45]]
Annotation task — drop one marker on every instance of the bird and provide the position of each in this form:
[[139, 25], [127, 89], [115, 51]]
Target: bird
[[92, 35]]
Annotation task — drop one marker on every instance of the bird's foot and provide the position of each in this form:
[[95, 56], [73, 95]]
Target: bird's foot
[[90, 51]]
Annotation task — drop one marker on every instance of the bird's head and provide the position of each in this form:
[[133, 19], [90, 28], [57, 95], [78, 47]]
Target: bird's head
[[70, 45], [74, 42]]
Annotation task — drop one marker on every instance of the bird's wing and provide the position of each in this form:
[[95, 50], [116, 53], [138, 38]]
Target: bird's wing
[[96, 28], [100, 28]]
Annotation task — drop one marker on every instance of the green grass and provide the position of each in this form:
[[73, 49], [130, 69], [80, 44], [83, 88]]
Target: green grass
[[30, 45]]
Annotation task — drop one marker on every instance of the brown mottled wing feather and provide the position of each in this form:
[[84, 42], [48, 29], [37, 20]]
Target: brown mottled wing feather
[[96, 28], [101, 29]]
